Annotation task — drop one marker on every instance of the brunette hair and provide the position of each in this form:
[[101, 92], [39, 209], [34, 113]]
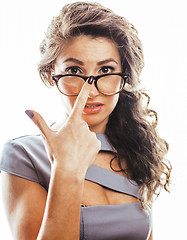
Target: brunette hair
[[131, 128]]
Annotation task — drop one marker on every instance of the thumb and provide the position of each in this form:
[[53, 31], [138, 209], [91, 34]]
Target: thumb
[[39, 122]]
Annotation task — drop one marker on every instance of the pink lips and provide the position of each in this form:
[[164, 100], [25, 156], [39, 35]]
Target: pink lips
[[94, 107]]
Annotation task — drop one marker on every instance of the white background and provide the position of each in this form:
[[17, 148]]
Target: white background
[[162, 29]]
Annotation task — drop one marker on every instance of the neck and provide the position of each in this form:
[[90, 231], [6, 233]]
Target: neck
[[99, 128]]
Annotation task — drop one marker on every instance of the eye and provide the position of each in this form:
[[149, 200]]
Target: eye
[[73, 70], [106, 69]]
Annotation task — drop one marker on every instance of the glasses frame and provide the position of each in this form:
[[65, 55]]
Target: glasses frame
[[57, 77]]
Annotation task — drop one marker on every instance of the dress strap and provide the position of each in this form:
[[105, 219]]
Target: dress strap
[[112, 180], [105, 144]]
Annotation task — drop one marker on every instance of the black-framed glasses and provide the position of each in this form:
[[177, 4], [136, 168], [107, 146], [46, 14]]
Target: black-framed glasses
[[106, 84]]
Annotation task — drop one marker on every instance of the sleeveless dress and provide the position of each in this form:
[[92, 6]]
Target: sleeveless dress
[[26, 157]]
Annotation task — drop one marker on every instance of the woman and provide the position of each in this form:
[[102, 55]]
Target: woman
[[94, 174]]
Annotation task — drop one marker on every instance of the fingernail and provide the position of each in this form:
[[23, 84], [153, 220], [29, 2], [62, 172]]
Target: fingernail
[[29, 113], [90, 80]]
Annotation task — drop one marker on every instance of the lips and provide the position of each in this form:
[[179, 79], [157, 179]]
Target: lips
[[94, 107], [94, 104]]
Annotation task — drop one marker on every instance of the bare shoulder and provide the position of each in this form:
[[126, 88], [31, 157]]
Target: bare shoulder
[[24, 203]]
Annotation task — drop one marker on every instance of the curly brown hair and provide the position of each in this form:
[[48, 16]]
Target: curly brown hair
[[131, 128]]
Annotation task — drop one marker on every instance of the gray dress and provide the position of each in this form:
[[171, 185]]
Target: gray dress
[[26, 157]]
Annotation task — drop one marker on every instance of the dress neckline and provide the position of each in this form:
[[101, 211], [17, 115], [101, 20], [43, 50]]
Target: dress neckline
[[110, 179], [105, 143], [106, 146]]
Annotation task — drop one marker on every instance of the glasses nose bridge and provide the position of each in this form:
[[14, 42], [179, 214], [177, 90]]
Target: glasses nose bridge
[[91, 79], [91, 76], [94, 91]]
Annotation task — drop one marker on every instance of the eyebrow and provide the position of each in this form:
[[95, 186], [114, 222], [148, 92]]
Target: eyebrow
[[81, 63], [74, 60]]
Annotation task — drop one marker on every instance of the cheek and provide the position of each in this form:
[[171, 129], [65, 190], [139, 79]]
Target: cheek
[[111, 104], [113, 101]]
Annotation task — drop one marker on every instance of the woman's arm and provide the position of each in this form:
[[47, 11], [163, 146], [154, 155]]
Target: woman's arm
[[25, 203], [62, 213], [151, 236]]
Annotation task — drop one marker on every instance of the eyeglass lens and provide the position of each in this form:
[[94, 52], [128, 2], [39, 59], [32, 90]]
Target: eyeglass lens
[[71, 85]]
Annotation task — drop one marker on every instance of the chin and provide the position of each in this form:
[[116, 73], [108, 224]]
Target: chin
[[95, 121]]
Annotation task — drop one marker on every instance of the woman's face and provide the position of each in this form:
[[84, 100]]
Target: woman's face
[[86, 56]]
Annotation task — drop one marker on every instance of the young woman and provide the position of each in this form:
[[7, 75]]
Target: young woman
[[94, 174]]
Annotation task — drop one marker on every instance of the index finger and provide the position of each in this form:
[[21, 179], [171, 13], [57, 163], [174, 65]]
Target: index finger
[[82, 99]]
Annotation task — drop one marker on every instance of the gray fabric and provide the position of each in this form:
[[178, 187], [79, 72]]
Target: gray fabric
[[26, 157], [112, 180], [115, 222]]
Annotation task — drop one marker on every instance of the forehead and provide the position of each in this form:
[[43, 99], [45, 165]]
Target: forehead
[[89, 49]]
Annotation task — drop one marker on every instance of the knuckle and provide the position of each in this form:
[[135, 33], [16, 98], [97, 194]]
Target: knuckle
[[98, 145], [84, 125], [96, 142], [93, 135]]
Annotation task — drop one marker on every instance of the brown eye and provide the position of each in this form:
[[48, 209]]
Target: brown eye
[[106, 69], [73, 70]]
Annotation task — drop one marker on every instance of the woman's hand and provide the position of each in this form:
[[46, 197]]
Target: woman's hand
[[73, 147]]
